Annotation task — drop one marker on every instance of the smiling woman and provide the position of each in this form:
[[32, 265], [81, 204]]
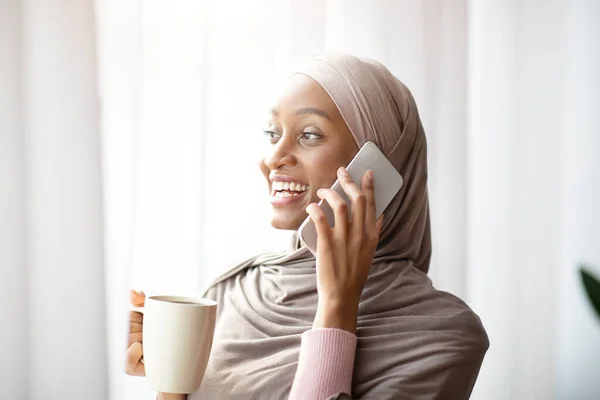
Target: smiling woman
[[310, 141], [361, 318]]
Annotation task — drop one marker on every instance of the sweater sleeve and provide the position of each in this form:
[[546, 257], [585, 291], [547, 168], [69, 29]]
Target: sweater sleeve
[[325, 365]]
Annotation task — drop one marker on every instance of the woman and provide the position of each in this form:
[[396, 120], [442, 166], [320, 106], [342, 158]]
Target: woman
[[362, 319]]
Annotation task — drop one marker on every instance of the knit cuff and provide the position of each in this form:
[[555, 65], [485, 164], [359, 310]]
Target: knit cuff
[[325, 365]]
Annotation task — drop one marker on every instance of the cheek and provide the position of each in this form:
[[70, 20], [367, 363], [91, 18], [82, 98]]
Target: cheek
[[321, 171]]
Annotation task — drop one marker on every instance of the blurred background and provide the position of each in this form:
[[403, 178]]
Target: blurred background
[[129, 138]]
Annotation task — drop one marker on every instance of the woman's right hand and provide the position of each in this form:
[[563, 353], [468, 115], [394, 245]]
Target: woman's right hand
[[134, 366]]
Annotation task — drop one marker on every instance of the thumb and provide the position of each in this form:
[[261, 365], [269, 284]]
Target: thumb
[[133, 357], [137, 298]]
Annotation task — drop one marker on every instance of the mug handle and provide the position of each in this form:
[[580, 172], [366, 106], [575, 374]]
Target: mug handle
[[140, 310]]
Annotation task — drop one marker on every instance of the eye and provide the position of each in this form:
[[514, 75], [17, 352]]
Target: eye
[[310, 136], [272, 135]]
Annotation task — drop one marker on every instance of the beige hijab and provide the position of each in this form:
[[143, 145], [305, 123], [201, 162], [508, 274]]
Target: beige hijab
[[414, 342]]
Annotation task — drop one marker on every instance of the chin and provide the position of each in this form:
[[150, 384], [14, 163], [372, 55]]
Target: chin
[[287, 222]]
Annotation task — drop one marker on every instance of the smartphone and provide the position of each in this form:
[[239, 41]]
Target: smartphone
[[387, 181]]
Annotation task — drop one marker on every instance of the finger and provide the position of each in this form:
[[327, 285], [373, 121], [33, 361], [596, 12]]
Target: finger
[[340, 212], [358, 199], [135, 327], [136, 317], [322, 227], [368, 185], [138, 298], [133, 356], [135, 337], [379, 225]]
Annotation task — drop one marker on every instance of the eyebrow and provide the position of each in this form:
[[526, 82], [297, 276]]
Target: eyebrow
[[305, 110]]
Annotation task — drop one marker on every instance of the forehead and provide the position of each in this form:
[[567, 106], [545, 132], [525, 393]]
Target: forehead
[[300, 91]]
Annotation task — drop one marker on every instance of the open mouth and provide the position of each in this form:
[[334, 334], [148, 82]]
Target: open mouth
[[288, 189]]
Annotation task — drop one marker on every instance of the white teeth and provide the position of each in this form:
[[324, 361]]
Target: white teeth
[[289, 186]]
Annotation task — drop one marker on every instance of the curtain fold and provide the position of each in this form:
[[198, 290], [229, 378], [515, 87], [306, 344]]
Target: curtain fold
[[14, 299], [532, 180], [53, 311], [119, 80]]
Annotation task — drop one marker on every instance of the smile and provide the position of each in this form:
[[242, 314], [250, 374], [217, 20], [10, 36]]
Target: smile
[[288, 188], [283, 193]]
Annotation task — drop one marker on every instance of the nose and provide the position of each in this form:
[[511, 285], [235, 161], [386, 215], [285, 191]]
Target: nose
[[281, 154]]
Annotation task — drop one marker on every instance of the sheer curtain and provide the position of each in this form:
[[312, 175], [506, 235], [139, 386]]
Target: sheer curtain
[[533, 194], [52, 310], [508, 94]]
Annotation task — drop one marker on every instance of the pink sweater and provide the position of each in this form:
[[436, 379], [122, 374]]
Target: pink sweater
[[325, 366]]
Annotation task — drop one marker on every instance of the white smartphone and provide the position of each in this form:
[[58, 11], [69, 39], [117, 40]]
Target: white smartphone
[[387, 181]]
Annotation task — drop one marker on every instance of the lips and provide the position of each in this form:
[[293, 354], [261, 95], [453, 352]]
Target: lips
[[286, 198]]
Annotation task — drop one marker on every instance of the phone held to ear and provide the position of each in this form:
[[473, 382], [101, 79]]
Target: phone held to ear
[[387, 181]]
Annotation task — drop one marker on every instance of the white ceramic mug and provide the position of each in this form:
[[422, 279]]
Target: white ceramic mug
[[177, 340]]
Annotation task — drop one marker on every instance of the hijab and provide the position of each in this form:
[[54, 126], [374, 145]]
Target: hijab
[[414, 341]]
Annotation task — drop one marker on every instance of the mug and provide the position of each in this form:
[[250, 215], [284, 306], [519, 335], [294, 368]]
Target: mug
[[177, 340]]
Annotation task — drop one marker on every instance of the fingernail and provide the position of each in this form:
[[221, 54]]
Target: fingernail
[[320, 192], [370, 175], [342, 171]]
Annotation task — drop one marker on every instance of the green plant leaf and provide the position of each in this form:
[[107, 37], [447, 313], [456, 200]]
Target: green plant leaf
[[592, 288]]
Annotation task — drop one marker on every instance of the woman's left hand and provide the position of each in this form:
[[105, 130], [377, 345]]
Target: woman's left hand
[[344, 252]]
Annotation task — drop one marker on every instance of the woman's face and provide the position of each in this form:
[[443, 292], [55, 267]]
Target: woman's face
[[309, 141]]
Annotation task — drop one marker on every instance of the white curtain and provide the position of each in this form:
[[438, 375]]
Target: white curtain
[[508, 94], [52, 309], [533, 194]]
